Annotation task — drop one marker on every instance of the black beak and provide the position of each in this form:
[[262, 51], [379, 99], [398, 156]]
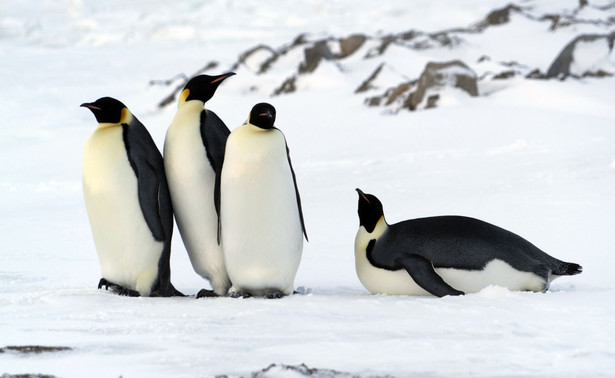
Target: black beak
[[220, 78], [362, 195]]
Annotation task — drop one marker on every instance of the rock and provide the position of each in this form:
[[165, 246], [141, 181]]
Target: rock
[[288, 86], [313, 55], [351, 44], [438, 75], [257, 59], [586, 55], [501, 16], [504, 75], [367, 84], [391, 96]]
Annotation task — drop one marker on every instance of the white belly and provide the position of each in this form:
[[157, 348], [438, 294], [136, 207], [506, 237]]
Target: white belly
[[127, 251], [497, 272], [261, 229], [191, 183]]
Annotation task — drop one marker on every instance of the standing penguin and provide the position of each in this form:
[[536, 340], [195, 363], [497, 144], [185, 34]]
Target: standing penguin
[[128, 203], [193, 154], [261, 221], [446, 255]]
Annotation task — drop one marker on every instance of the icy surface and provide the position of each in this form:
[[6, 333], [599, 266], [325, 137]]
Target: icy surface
[[535, 157]]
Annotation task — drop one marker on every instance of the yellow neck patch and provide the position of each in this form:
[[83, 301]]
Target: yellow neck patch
[[183, 96], [125, 117]]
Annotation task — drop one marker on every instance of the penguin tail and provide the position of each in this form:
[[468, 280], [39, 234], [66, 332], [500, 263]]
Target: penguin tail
[[568, 269]]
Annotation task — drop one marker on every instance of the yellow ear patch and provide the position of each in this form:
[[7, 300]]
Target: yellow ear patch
[[183, 96], [126, 116]]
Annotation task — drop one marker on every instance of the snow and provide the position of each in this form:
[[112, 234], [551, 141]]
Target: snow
[[533, 156]]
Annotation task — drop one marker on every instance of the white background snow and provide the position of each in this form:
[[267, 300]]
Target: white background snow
[[536, 157]]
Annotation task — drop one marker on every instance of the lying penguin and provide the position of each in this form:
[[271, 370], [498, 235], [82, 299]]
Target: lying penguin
[[446, 255]]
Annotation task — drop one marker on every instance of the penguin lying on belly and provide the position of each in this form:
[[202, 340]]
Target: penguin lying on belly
[[128, 203], [446, 255]]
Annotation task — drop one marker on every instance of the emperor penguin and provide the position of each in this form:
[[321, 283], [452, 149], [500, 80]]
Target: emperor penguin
[[446, 255], [193, 154], [261, 220], [128, 203]]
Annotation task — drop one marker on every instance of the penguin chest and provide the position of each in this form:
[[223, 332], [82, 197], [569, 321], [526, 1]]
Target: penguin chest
[[261, 228], [378, 280], [191, 180], [127, 250]]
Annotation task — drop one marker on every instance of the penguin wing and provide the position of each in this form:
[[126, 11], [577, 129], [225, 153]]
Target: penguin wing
[[214, 134], [147, 164], [292, 171], [422, 272]]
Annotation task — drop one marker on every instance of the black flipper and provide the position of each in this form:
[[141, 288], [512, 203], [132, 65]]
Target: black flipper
[[292, 171], [214, 134], [154, 198], [422, 272], [143, 162]]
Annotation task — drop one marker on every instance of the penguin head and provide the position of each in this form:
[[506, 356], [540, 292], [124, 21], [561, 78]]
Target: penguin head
[[108, 110], [262, 116], [370, 210], [202, 87]]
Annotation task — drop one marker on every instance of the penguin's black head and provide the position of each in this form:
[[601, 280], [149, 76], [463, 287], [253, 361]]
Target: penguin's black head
[[107, 110], [370, 210], [203, 87], [262, 115]]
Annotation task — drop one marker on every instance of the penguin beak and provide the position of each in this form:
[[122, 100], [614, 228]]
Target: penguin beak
[[89, 106], [222, 77], [362, 195]]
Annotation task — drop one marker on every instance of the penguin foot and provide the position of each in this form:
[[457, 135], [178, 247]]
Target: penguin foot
[[239, 294], [117, 288], [275, 295], [128, 292], [204, 293], [107, 284]]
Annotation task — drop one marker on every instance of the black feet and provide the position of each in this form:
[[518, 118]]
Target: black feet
[[239, 294], [204, 293], [275, 295], [117, 288], [272, 294]]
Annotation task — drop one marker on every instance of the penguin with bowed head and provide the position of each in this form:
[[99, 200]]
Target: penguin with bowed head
[[261, 220], [193, 154], [128, 203], [446, 255]]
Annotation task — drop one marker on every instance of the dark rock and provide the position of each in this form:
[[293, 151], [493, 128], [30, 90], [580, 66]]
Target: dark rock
[[536, 74], [288, 86], [313, 55], [351, 44], [501, 16], [391, 95], [504, 75], [264, 66], [561, 66], [367, 84], [437, 75]]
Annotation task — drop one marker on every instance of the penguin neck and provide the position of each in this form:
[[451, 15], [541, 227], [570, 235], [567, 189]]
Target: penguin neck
[[381, 227], [192, 106], [256, 129], [125, 118]]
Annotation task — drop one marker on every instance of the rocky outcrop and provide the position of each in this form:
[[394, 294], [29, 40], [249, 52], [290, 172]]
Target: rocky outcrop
[[436, 76], [586, 55]]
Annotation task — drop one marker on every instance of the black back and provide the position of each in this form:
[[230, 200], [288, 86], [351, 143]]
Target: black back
[[292, 171], [458, 242]]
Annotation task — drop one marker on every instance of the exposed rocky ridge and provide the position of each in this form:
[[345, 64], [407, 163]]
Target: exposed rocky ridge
[[296, 63]]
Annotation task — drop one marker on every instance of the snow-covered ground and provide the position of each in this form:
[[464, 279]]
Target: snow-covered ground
[[534, 156]]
